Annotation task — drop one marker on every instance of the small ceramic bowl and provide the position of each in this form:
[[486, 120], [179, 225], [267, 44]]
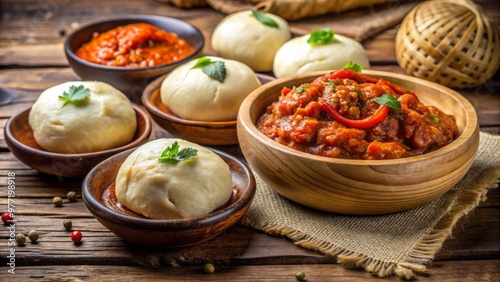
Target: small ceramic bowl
[[202, 132], [19, 139], [130, 81], [360, 187], [100, 199]]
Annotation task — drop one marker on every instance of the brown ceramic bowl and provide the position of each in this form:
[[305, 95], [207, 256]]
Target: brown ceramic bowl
[[130, 81], [202, 132], [359, 187], [19, 139], [99, 197]]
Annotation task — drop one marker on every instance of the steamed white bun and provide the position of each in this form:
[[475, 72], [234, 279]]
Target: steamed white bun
[[102, 121], [191, 94], [297, 56], [241, 37], [161, 190]]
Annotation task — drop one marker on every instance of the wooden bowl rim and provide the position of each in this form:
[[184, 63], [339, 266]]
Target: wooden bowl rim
[[164, 224], [134, 18], [152, 92], [469, 130], [144, 135]]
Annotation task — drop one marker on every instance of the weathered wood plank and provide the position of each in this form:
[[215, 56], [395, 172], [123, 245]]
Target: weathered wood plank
[[466, 271]]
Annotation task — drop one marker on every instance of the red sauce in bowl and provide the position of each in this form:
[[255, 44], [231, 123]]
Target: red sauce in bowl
[[134, 45], [337, 115]]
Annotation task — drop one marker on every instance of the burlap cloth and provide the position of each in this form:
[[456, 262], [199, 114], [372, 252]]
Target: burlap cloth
[[394, 244]]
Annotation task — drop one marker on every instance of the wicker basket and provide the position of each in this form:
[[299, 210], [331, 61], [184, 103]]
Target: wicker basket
[[450, 42]]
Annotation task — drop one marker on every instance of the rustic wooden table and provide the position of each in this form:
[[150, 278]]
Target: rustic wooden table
[[32, 59]]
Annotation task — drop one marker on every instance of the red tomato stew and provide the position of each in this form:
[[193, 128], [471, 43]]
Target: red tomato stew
[[345, 114], [134, 45]]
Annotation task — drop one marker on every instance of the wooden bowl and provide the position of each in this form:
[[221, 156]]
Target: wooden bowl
[[97, 192], [359, 187], [201, 132], [131, 81], [19, 139]]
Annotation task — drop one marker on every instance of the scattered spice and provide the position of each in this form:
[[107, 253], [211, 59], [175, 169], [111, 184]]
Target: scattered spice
[[76, 236], [209, 268], [67, 224], [7, 217], [300, 276], [20, 239], [57, 201], [62, 32], [71, 196], [33, 235]]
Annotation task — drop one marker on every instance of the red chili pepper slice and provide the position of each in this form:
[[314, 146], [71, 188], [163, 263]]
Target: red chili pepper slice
[[341, 74], [371, 121]]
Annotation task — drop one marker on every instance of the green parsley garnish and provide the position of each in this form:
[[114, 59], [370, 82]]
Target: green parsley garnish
[[301, 89], [173, 155], [321, 36], [353, 66], [391, 102], [263, 18], [75, 94], [330, 83], [434, 118], [214, 69]]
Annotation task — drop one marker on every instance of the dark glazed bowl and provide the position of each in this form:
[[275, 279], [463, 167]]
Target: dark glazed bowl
[[19, 139], [99, 197], [131, 81], [202, 132]]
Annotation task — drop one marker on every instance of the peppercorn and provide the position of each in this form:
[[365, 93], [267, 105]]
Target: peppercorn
[[67, 224], [76, 236], [62, 32], [300, 276], [20, 239], [209, 268], [57, 201], [33, 235], [71, 196], [7, 217]]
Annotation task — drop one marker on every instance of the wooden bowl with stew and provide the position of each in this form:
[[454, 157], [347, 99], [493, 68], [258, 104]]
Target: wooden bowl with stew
[[365, 183], [100, 198], [20, 140], [124, 68], [202, 132]]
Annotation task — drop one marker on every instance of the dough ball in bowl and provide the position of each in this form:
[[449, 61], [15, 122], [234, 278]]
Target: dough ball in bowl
[[169, 189], [190, 93], [242, 37], [300, 56], [93, 117]]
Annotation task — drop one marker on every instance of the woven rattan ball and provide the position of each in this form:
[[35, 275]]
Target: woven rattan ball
[[450, 42]]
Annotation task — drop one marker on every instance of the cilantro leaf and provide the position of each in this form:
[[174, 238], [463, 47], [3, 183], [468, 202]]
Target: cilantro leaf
[[264, 19], [321, 36], [214, 69], [172, 154], [353, 66], [301, 89], [74, 95], [391, 102]]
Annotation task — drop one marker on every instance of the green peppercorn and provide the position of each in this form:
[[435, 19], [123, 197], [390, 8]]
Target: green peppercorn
[[20, 239], [209, 268], [300, 276], [67, 224], [71, 196], [33, 235], [57, 201]]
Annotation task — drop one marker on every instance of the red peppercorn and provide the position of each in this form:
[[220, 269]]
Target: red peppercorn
[[76, 236], [6, 217]]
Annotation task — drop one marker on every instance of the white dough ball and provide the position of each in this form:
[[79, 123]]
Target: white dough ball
[[160, 190], [297, 56], [240, 36], [191, 94], [102, 121]]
